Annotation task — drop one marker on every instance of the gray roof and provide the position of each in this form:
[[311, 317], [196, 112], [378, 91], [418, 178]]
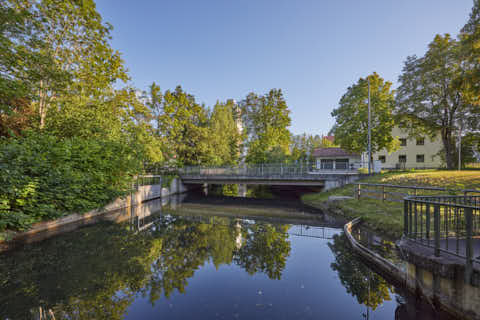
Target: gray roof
[[334, 152]]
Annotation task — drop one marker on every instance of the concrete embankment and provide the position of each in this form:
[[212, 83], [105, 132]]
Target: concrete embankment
[[46, 229], [440, 281]]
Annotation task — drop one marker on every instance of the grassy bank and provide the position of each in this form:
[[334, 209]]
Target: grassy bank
[[387, 216]]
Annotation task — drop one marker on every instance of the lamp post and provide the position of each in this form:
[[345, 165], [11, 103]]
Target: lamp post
[[369, 131]]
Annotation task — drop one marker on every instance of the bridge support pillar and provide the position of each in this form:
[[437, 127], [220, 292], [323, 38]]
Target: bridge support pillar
[[242, 190]]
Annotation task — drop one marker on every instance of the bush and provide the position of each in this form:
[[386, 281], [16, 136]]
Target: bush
[[43, 177]]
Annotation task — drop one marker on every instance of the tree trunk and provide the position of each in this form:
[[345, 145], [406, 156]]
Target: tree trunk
[[449, 147]]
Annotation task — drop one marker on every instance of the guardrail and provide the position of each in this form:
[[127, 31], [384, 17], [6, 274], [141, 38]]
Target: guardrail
[[385, 191], [268, 170], [446, 223]]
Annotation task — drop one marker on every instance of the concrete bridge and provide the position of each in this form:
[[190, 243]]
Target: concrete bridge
[[278, 175]]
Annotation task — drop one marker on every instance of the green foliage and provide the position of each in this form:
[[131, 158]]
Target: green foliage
[[351, 126], [183, 125], [470, 53], [302, 146], [224, 135], [96, 272], [43, 177], [266, 119], [369, 288], [432, 95]]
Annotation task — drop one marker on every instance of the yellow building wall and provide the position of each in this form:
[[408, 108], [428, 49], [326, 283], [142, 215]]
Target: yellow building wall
[[430, 150]]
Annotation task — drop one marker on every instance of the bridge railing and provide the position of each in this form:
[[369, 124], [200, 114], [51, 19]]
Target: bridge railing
[[265, 170], [446, 223]]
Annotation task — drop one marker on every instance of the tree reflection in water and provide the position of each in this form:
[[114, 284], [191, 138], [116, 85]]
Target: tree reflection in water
[[366, 286], [96, 272]]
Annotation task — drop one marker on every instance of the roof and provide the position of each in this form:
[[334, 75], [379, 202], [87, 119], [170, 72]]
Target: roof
[[333, 152], [329, 138]]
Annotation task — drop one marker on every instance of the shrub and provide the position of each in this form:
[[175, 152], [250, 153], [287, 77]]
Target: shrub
[[43, 177]]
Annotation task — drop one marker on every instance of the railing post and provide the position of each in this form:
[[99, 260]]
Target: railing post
[[405, 217], [427, 222], [436, 222], [416, 219], [468, 245]]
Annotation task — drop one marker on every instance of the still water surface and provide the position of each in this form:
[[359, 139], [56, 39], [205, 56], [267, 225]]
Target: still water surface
[[200, 259]]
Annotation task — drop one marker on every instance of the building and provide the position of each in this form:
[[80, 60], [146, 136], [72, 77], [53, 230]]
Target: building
[[419, 152], [336, 158]]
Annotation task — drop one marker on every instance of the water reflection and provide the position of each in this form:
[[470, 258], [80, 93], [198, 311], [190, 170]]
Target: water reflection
[[144, 262], [95, 272], [366, 286]]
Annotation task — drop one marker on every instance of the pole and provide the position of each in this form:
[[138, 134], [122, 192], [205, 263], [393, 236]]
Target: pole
[[369, 131], [460, 147]]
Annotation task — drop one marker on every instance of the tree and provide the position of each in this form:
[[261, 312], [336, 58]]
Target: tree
[[351, 117], [431, 95], [470, 52], [266, 119], [303, 145], [224, 135], [65, 45], [183, 125]]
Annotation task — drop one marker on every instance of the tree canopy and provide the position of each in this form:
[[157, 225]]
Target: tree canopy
[[431, 94], [266, 119], [351, 116]]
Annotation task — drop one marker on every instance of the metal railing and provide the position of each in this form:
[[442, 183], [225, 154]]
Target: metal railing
[[267, 170], [146, 180], [391, 192], [449, 224]]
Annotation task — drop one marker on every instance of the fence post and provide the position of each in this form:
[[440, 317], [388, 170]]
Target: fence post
[[405, 217], [436, 222], [468, 245], [383, 193], [416, 219], [427, 222], [358, 191]]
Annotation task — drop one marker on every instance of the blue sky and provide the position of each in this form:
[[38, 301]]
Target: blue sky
[[311, 49]]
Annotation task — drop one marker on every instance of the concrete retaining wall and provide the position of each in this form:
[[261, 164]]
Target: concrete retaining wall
[[447, 290], [144, 193]]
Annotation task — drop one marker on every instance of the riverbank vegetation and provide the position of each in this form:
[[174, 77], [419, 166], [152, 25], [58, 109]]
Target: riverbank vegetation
[[387, 216], [74, 131]]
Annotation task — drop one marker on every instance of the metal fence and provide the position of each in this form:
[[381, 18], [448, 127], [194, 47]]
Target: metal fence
[[446, 223], [396, 193], [266, 170], [146, 180]]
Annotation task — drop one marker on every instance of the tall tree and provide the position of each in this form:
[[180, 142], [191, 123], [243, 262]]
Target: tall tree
[[225, 135], [431, 94], [351, 117], [72, 42], [183, 124], [266, 119], [470, 53]]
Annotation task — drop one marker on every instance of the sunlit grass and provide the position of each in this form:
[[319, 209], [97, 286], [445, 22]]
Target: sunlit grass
[[387, 216]]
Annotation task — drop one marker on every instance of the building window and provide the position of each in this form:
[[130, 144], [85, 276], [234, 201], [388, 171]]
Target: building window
[[402, 158], [420, 141], [382, 159], [403, 142], [420, 158]]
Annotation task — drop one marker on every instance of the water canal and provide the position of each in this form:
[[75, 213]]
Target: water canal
[[201, 258]]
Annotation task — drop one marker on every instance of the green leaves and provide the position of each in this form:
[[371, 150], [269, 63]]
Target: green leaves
[[266, 119], [351, 126], [43, 177], [432, 95]]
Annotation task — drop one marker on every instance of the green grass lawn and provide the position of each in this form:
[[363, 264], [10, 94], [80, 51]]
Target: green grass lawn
[[387, 216]]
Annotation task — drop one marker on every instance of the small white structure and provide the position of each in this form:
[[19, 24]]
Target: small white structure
[[336, 159]]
